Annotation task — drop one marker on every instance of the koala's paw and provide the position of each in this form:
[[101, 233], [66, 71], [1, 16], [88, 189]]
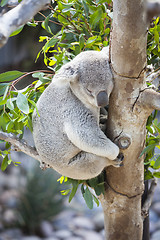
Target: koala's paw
[[118, 162]]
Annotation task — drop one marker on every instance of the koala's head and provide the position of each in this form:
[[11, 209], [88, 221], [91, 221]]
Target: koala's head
[[89, 76]]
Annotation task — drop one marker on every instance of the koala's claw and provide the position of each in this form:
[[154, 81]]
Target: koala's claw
[[120, 156], [118, 162]]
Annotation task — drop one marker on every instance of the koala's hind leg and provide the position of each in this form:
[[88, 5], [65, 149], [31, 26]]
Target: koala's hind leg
[[86, 165]]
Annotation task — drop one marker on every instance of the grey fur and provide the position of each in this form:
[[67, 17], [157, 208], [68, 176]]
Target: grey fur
[[67, 134]]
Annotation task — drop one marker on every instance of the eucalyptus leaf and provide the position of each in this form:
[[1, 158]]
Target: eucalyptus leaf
[[157, 163], [22, 103], [9, 76], [17, 31], [10, 104], [156, 174], [4, 164], [73, 191], [148, 148], [3, 3], [96, 200], [34, 104], [88, 198]]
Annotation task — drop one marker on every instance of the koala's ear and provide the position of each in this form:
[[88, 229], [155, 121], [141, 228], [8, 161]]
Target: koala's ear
[[66, 74], [105, 50]]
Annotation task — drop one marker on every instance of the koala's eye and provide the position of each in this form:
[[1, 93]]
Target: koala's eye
[[89, 92]]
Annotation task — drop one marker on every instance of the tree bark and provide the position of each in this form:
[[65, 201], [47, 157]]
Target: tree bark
[[128, 113]]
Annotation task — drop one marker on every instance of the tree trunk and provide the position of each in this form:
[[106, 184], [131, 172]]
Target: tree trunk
[[127, 120]]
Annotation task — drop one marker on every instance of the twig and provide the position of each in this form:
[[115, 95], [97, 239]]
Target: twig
[[20, 145], [148, 201], [18, 16]]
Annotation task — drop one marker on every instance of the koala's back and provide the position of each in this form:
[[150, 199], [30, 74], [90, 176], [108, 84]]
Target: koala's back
[[55, 106]]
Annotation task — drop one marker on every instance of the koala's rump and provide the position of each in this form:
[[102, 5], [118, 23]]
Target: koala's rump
[[51, 142]]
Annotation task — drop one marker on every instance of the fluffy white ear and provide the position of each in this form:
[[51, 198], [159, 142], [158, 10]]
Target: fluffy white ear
[[105, 50], [65, 75]]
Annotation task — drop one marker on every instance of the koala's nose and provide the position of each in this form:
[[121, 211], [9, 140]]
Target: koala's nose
[[102, 99]]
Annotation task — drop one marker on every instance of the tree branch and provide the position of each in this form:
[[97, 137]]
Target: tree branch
[[20, 145], [148, 201], [153, 9], [18, 16], [150, 99]]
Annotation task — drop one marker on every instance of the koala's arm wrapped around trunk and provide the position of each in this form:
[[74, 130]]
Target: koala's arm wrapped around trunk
[[94, 141]]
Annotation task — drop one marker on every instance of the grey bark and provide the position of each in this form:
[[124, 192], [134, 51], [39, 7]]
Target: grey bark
[[18, 16], [19, 145]]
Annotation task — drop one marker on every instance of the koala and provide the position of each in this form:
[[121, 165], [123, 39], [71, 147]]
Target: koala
[[67, 134]]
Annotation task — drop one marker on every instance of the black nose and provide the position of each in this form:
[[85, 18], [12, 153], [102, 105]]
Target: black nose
[[102, 99]]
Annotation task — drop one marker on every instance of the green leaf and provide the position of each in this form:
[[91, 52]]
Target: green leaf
[[96, 200], [45, 24], [156, 36], [19, 131], [32, 24], [99, 189], [91, 40], [148, 149], [74, 190], [96, 16], [61, 179], [50, 43], [4, 164], [10, 104], [34, 104], [148, 175], [3, 87], [3, 3], [17, 31], [9, 76], [62, 19], [157, 163], [156, 174], [93, 182], [82, 189], [9, 126], [65, 192], [22, 103], [81, 40], [2, 102], [5, 93], [37, 74], [88, 198]]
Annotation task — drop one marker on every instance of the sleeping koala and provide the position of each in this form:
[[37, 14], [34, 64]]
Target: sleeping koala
[[67, 134]]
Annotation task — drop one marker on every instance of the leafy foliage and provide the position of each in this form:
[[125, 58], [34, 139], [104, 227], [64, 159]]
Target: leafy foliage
[[153, 45], [152, 160], [17, 106], [96, 184], [84, 25]]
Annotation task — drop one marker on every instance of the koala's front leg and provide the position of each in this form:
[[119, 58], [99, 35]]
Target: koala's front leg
[[86, 165], [89, 138]]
